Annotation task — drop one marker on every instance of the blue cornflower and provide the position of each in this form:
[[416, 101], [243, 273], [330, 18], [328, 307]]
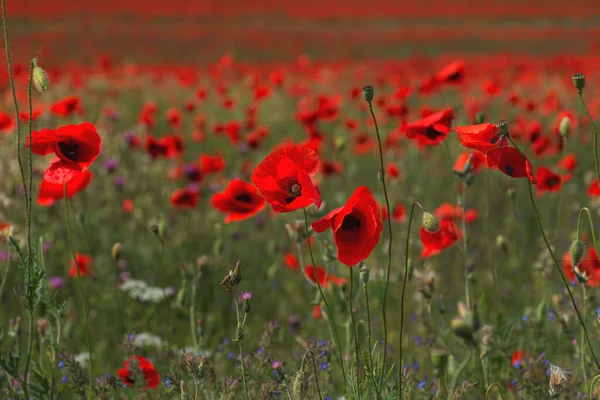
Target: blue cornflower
[[416, 366], [230, 355], [324, 366], [64, 379], [167, 382], [422, 385], [61, 364]]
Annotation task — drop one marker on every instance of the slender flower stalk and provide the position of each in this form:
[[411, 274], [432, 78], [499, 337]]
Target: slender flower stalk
[[364, 275], [81, 291], [239, 339], [560, 201], [368, 92], [465, 243], [5, 276], [193, 313], [314, 365], [329, 313], [351, 311], [583, 368], [562, 275], [587, 112]]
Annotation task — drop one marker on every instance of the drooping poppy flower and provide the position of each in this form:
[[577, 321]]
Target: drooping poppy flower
[[356, 226], [511, 162], [7, 123], [50, 192], [67, 106], [290, 261], [184, 198], [151, 376], [239, 201], [477, 161], [211, 164], [84, 262], [432, 129], [325, 279], [284, 178], [594, 189], [547, 181], [445, 237], [76, 146], [452, 73], [481, 137]]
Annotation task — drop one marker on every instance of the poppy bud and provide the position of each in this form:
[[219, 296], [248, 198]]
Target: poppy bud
[[502, 126], [576, 251], [565, 126], [364, 274], [479, 118], [511, 193], [299, 386], [80, 217], [430, 222], [502, 243], [40, 78], [439, 359], [339, 143], [368, 93], [579, 81], [116, 251]]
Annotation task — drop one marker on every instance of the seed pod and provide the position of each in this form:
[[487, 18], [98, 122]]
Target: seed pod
[[368, 93], [565, 126], [579, 81]]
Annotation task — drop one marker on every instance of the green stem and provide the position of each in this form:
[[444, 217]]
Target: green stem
[[372, 370], [193, 314], [329, 313], [404, 280], [461, 367], [583, 369], [239, 325], [5, 277], [314, 365], [389, 218], [595, 136], [487, 392], [560, 202], [562, 275], [592, 386], [592, 230], [351, 311], [465, 239], [81, 291]]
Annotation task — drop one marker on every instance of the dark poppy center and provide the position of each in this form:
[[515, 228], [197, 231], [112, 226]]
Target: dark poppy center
[[294, 189], [351, 223], [69, 150], [552, 182], [243, 198], [509, 170], [431, 133], [455, 76]]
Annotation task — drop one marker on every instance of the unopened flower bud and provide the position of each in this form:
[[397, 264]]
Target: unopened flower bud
[[368, 93], [579, 81], [299, 386], [480, 117], [430, 223], [502, 243], [364, 274], [117, 249], [565, 126], [576, 251], [40, 79], [339, 143]]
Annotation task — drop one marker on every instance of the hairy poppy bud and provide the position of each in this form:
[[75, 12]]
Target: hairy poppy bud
[[364, 274], [579, 81], [368, 93], [116, 251], [430, 222], [339, 143], [479, 118], [40, 78], [565, 126], [299, 386], [576, 251]]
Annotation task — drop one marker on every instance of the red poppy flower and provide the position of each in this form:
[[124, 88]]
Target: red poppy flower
[[356, 226], [24, 115], [150, 375], [593, 189], [331, 168], [481, 137], [510, 161], [392, 170], [76, 146], [317, 314], [211, 164], [7, 123], [517, 358], [452, 73], [173, 117], [84, 262], [128, 205], [447, 211], [284, 178], [166, 146], [325, 279], [477, 161], [184, 198], [67, 106], [589, 266], [290, 261], [239, 201], [547, 181], [568, 163], [432, 129], [445, 237], [50, 192], [399, 212]]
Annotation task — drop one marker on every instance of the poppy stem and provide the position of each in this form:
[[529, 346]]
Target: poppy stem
[[371, 369], [562, 275], [460, 369], [5, 277], [465, 243], [81, 291], [356, 356], [314, 365], [488, 230], [489, 388], [193, 313], [592, 230], [336, 336], [404, 280], [560, 201], [389, 220], [595, 135], [240, 326], [584, 372]]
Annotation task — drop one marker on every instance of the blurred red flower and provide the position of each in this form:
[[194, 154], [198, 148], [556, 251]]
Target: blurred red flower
[[150, 375], [547, 181], [184, 198], [284, 178], [211, 164], [239, 201], [84, 262], [67, 106], [481, 137], [445, 237], [432, 129], [324, 278], [356, 226]]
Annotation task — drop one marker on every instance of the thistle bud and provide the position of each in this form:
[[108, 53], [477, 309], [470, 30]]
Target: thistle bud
[[299, 386], [579, 81], [368, 93], [576, 251], [502, 243], [239, 333], [430, 223], [480, 117], [40, 78], [116, 251], [565, 126], [364, 274]]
